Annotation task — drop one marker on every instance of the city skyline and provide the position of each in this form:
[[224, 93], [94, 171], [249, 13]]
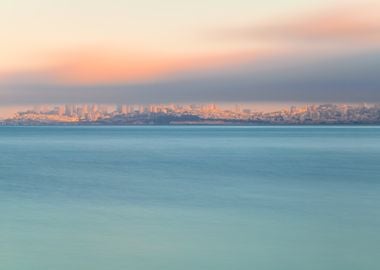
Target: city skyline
[[193, 114]]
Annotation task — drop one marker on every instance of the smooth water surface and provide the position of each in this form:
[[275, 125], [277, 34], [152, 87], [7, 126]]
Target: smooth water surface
[[266, 198]]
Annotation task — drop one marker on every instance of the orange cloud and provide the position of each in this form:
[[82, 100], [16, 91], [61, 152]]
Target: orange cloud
[[353, 23], [97, 66], [102, 66]]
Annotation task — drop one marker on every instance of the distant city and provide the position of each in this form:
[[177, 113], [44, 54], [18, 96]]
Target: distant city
[[193, 114]]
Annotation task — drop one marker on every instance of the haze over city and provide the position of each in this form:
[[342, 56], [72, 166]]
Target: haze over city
[[193, 114], [168, 51]]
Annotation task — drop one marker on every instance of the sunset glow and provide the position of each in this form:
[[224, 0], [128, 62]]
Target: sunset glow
[[95, 43]]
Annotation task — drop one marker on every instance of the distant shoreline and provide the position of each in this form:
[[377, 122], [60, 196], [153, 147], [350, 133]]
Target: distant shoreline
[[189, 125]]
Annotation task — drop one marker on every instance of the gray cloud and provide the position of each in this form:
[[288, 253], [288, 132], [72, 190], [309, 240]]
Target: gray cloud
[[345, 78]]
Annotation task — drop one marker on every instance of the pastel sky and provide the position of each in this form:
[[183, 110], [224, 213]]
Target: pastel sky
[[152, 51]]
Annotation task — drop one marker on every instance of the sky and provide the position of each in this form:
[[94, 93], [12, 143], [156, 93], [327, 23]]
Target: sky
[[159, 51]]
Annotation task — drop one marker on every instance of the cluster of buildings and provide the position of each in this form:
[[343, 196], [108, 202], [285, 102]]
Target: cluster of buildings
[[324, 114], [195, 114], [86, 113]]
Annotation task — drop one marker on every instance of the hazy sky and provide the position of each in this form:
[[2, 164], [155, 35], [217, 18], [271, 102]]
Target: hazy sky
[[189, 51]]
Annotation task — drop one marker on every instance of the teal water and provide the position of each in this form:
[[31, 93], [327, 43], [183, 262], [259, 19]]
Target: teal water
[[264, 198]]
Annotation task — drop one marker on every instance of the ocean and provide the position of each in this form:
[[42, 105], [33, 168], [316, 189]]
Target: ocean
[[190, 197]]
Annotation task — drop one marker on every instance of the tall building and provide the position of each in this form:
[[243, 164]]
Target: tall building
[[69, 110], [94, 108], [61, 110], [84, 109]]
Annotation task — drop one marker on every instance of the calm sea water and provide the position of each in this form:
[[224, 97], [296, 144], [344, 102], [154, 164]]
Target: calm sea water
[[267, 198]]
